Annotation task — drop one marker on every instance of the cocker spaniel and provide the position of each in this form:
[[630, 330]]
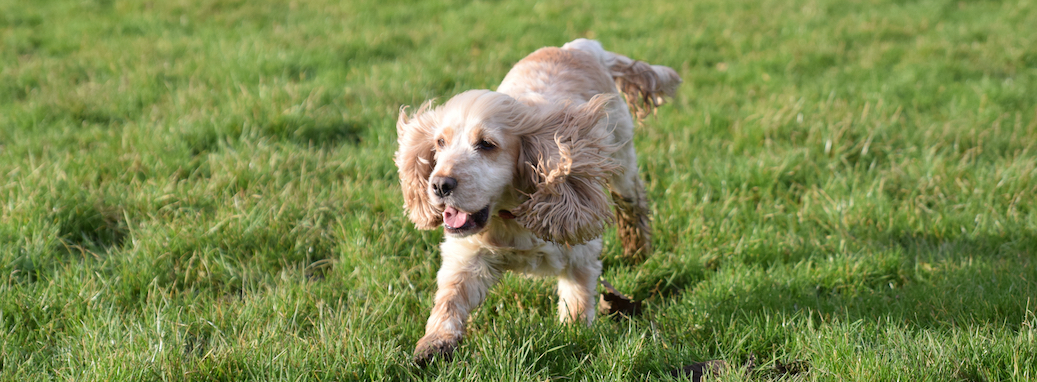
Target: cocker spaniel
[[518, 178]]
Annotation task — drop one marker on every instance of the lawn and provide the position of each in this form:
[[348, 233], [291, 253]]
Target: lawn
[[203, 190]]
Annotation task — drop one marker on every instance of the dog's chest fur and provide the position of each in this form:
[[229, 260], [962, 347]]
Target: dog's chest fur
[[507, 246]]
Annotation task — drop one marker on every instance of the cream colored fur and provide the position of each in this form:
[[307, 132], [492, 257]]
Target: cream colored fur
[[545, 155]]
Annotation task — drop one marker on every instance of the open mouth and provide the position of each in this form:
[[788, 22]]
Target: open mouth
[[460, 222]]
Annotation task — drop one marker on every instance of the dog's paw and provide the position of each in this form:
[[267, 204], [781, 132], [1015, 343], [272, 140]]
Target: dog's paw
[[434, 346]]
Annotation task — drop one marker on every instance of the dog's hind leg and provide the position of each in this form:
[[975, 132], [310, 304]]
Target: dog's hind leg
[[645, 87], [633, 224]]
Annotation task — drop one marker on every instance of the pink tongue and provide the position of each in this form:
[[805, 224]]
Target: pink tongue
[[454, 218]]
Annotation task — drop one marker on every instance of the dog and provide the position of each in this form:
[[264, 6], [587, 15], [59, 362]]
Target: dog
[[525, 179]]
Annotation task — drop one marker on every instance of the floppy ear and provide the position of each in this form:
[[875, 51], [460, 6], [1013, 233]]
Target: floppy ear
[[415, 159], [564, 166]]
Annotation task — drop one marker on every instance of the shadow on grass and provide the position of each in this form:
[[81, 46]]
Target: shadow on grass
[[88, 223], [922, 280], [915, 281], [298, 129], [85, 225], [314, 130]]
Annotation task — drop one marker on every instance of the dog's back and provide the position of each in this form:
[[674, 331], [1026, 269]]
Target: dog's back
[[582, 69], [556, 75]]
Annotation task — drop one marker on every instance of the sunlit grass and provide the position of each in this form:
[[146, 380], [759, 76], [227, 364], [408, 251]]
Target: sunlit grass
[[204, 190]]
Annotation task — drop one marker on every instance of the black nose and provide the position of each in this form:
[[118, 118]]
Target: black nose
[[442, 186]]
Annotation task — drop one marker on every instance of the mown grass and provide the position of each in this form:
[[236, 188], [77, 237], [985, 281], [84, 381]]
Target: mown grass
[[204, 190]]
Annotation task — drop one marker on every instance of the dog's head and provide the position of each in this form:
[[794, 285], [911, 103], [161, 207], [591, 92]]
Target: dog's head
[[483, 152]]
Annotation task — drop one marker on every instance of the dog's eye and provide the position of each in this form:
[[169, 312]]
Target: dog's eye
[[485, 145], [440, 143]]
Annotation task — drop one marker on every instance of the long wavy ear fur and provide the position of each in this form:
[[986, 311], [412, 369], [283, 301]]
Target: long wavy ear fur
[[565, 162], [415, 159]]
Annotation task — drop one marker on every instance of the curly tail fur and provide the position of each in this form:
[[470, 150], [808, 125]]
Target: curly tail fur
[[644, 86]]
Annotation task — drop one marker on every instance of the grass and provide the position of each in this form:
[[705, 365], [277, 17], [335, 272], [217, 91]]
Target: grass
[[204, 190]]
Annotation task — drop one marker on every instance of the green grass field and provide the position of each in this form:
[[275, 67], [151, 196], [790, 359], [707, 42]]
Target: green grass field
[[204, 190]]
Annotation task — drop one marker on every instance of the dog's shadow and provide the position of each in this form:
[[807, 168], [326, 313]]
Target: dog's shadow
[[891, 276], [913, 281]]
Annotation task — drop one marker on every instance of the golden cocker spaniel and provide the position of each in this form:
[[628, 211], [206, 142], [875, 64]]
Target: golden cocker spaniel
[[518, 178]]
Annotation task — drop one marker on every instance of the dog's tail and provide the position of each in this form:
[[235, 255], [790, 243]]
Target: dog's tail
[[643, 85]]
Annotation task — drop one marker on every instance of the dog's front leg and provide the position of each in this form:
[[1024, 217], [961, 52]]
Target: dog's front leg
[[463, 282]]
